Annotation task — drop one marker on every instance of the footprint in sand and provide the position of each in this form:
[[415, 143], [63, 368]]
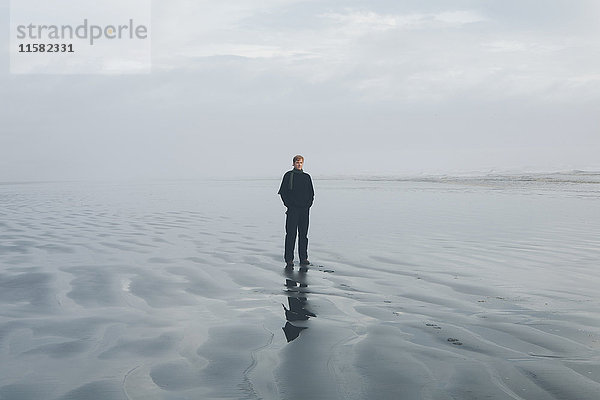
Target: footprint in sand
[[329, 271], [434, 326]]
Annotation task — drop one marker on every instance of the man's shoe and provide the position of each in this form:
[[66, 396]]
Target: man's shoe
[[289, 264], [304, 262]]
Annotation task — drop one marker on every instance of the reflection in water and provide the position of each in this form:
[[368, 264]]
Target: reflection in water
[[297, 288], [292, 331]]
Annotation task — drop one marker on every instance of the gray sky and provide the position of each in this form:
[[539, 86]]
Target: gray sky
[[358, 87]]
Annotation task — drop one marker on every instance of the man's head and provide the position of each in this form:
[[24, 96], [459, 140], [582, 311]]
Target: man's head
[[298, 162]]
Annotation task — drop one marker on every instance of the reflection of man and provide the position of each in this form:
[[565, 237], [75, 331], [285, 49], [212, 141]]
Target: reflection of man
[[297, 194]]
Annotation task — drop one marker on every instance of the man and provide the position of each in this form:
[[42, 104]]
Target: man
[[297, 194]]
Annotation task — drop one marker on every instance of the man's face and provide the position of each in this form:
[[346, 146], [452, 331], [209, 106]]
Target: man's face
[[298, 163]]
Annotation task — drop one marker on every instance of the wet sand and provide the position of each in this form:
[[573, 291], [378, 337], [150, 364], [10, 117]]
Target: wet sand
[[440, 288]]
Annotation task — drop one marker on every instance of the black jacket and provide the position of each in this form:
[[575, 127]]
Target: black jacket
[[296, 189]]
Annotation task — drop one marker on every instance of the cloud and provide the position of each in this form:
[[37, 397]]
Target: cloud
[[242, 76], [366, 21], [509, 46], [237, 29]]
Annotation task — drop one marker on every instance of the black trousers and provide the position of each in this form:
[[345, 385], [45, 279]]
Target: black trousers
[[296, 222]]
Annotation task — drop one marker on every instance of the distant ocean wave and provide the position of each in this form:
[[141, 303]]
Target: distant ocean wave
[[563, 177]]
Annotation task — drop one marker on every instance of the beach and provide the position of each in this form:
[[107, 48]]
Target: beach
[[427, 287]]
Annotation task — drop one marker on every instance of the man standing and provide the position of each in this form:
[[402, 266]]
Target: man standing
[[297, 194]]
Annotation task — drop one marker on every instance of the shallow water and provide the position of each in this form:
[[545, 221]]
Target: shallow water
[[419, 288]]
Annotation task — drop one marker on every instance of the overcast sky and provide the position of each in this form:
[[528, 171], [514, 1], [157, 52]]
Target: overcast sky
[[358, 87]]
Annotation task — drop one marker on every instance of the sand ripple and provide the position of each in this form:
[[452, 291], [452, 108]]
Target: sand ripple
[[174, 290]]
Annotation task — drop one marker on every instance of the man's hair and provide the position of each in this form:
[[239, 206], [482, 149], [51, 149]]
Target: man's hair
[[298, 157]]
